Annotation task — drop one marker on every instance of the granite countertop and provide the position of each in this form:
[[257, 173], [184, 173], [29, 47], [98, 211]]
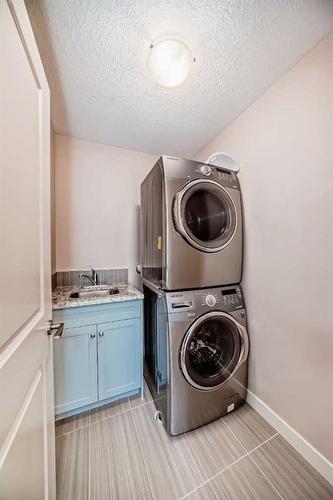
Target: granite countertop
[[61, 295]]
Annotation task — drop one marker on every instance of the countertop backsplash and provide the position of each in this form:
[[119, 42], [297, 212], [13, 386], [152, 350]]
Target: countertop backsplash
[[105, 277]]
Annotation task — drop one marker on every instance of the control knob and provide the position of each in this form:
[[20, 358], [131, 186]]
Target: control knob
[[205, 169], [210, 300]]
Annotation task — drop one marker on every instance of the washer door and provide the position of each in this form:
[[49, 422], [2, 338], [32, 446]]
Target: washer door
[[211, 350], [205, 215]]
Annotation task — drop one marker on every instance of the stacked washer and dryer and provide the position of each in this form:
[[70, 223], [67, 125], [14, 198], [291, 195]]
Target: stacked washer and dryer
[[196, 341]]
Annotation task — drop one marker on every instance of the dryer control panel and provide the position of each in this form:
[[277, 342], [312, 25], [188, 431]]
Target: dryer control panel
[[217, 174], [177, 168]]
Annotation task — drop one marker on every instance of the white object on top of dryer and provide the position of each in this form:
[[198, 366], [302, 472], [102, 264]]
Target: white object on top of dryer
[[220, 159]]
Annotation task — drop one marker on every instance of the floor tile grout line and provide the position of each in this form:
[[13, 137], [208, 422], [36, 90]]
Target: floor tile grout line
[[206, 475], [141, 451], [235, 436], [243, 447], [252, 459], [268, 479], [93, 423], [187, 440], [196, 456], [107, 418], [87, 428], [89, 464], [146, 403], [228, 466]]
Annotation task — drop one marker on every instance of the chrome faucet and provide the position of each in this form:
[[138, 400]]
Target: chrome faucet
[[93, 278]]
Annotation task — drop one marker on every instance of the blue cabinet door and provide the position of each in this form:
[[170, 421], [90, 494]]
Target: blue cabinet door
[[119, 357], [75, 374]]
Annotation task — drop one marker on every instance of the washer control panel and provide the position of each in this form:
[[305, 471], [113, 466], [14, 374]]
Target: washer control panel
[[210, 300], [180, 301], [232, 297], [194, 302], [226, 298]]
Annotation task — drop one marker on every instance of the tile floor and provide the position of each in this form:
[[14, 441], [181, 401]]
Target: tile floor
[[121, 452]]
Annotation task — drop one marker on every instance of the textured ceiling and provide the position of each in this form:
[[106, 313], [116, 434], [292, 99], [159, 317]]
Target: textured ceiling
[[95, 56]]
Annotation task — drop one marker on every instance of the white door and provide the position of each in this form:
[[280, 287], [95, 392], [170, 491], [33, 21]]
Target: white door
[[27, 469]]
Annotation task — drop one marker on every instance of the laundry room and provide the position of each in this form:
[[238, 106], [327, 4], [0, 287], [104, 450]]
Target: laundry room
[[166, 243]]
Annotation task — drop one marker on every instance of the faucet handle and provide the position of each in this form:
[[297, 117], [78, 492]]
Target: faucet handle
[[94, 276]]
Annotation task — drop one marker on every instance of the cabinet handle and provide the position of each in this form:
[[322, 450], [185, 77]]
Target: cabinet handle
[[101, 334], [92, 335]]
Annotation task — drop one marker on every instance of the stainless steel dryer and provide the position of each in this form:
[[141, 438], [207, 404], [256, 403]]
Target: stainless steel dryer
[[196, 354], [191, 225]]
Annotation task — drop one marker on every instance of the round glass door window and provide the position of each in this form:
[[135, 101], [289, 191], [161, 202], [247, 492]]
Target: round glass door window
[[206, 215], [210, 351]]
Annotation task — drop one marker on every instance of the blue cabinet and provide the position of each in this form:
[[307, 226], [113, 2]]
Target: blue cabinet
[[119, 366], [75, 374], [99, 356]]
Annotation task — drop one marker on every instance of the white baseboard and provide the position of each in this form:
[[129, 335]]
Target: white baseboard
[[304, 448]]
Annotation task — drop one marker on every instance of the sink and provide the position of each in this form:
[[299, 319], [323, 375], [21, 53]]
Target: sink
[[94, 293]]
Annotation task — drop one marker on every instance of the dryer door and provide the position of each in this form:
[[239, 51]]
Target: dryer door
[[212, 349], [205, 215]]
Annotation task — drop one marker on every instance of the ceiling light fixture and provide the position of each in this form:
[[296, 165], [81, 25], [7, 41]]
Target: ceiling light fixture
[[170, 61]]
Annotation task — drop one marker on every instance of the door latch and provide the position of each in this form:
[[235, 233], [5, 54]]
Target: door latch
[[55, 329]]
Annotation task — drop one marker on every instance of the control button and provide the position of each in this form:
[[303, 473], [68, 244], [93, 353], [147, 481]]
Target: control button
[[205, 169], [210, 300]]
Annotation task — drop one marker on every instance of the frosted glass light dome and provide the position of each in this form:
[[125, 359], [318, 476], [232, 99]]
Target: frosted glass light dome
[[170, 62]]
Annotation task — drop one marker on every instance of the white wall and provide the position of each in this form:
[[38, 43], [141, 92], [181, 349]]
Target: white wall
[[284, 144], [97, 204]]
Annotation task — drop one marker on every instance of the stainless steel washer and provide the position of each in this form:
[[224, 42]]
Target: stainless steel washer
[[196, 355], [191, 225]]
